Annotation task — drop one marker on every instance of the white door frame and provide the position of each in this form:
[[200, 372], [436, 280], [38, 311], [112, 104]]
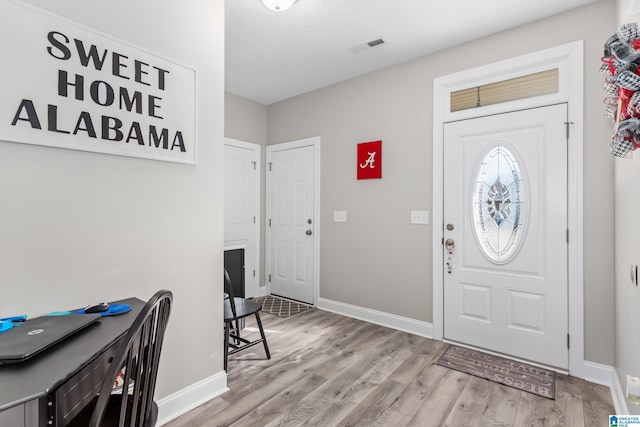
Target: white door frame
[[252, 287], [568, 59], [315, 143]]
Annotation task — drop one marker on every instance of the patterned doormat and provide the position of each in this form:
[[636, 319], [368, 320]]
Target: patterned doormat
[[281, 307], [522, 376]]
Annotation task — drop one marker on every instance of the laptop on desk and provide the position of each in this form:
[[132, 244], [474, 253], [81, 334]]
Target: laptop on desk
[[35, 335]]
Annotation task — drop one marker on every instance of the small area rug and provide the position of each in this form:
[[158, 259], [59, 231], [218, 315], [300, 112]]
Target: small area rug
[[522, 376], [281, 307]]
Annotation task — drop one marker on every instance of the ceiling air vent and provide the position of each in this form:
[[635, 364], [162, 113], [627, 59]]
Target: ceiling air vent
[[367, 45]]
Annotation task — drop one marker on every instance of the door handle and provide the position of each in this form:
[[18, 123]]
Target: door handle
[[449, 244], [309, 232]]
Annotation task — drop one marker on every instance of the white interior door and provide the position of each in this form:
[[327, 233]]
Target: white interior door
[[242, 206], [505, 236], [292, 221]]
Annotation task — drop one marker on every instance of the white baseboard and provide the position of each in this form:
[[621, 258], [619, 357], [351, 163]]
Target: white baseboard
[[619, 396], [416, 327], [598, 374], [260, 292], [607, 376], [188, 398]]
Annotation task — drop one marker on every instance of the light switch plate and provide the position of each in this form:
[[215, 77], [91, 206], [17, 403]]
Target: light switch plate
[[339, 216], [420, 217]]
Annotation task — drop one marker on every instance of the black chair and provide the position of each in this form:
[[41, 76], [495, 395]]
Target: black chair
[[136, 365], [235, 310]]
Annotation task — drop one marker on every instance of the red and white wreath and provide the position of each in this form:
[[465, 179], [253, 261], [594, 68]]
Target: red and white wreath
[[621, 63]]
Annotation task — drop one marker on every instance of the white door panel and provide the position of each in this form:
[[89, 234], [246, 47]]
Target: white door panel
[[292, 219], [505, 196], [241, 206]]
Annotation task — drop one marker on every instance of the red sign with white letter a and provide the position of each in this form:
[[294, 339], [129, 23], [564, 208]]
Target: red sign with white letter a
[[370, 160]]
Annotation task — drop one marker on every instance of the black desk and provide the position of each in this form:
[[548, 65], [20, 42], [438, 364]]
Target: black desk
[[51, 388]]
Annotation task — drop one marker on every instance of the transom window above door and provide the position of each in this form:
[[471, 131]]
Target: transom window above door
[[536, 84]]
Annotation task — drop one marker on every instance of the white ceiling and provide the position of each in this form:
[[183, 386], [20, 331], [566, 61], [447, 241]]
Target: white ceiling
[[271, 56]]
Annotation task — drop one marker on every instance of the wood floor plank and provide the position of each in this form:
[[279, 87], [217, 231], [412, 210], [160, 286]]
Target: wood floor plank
[[329, 370], [363, 378], [471, 405], [390, 418], [277, 378], [567, 409], [502, 406], [359, 362], [251, 362], [436, 409], [270, 375], [375, 408], [284, 400], [534, 411], [419, 390], [597, 404], [343, 371], [243, 405], [427, 352]]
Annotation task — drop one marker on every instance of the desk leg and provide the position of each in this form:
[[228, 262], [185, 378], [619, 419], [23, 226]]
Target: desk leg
[[25, 415], [32, 414]]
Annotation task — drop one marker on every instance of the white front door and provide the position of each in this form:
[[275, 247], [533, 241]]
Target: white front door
[[292, 221], [241, 207], [505, 234]]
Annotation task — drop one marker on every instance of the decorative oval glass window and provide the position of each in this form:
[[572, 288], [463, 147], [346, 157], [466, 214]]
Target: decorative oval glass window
[[499, 205]]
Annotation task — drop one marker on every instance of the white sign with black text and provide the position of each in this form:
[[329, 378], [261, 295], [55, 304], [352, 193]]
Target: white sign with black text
[[64, 85]]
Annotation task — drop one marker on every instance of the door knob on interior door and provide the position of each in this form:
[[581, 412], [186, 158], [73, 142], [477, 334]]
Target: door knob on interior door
[[309, 232]]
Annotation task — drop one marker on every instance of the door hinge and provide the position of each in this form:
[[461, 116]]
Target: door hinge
[[254, 165], [567, 235], [254, 273], [269, 222], [442, 243], [568, 341], [254, 219], [269, 278], [567, 127], [269, 166]]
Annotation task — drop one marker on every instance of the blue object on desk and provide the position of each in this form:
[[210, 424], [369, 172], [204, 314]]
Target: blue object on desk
[[113, 310], [59, 313], [15, 319], [5, 325]]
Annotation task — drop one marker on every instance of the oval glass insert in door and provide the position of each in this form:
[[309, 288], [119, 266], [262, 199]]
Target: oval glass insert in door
[[499, 205]]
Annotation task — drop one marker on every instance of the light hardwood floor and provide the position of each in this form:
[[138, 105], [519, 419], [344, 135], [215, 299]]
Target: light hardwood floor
[[331, 370]]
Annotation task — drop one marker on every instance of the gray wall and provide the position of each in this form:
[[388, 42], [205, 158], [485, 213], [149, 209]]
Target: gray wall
[[627, 250], [377, 259], [244, 119], [79, 227]]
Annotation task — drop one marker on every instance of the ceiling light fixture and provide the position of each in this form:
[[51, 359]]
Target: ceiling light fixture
[[278, 5]]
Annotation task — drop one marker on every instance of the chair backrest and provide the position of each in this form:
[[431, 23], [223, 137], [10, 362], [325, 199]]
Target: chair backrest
[[138, 355], [228, 288]]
